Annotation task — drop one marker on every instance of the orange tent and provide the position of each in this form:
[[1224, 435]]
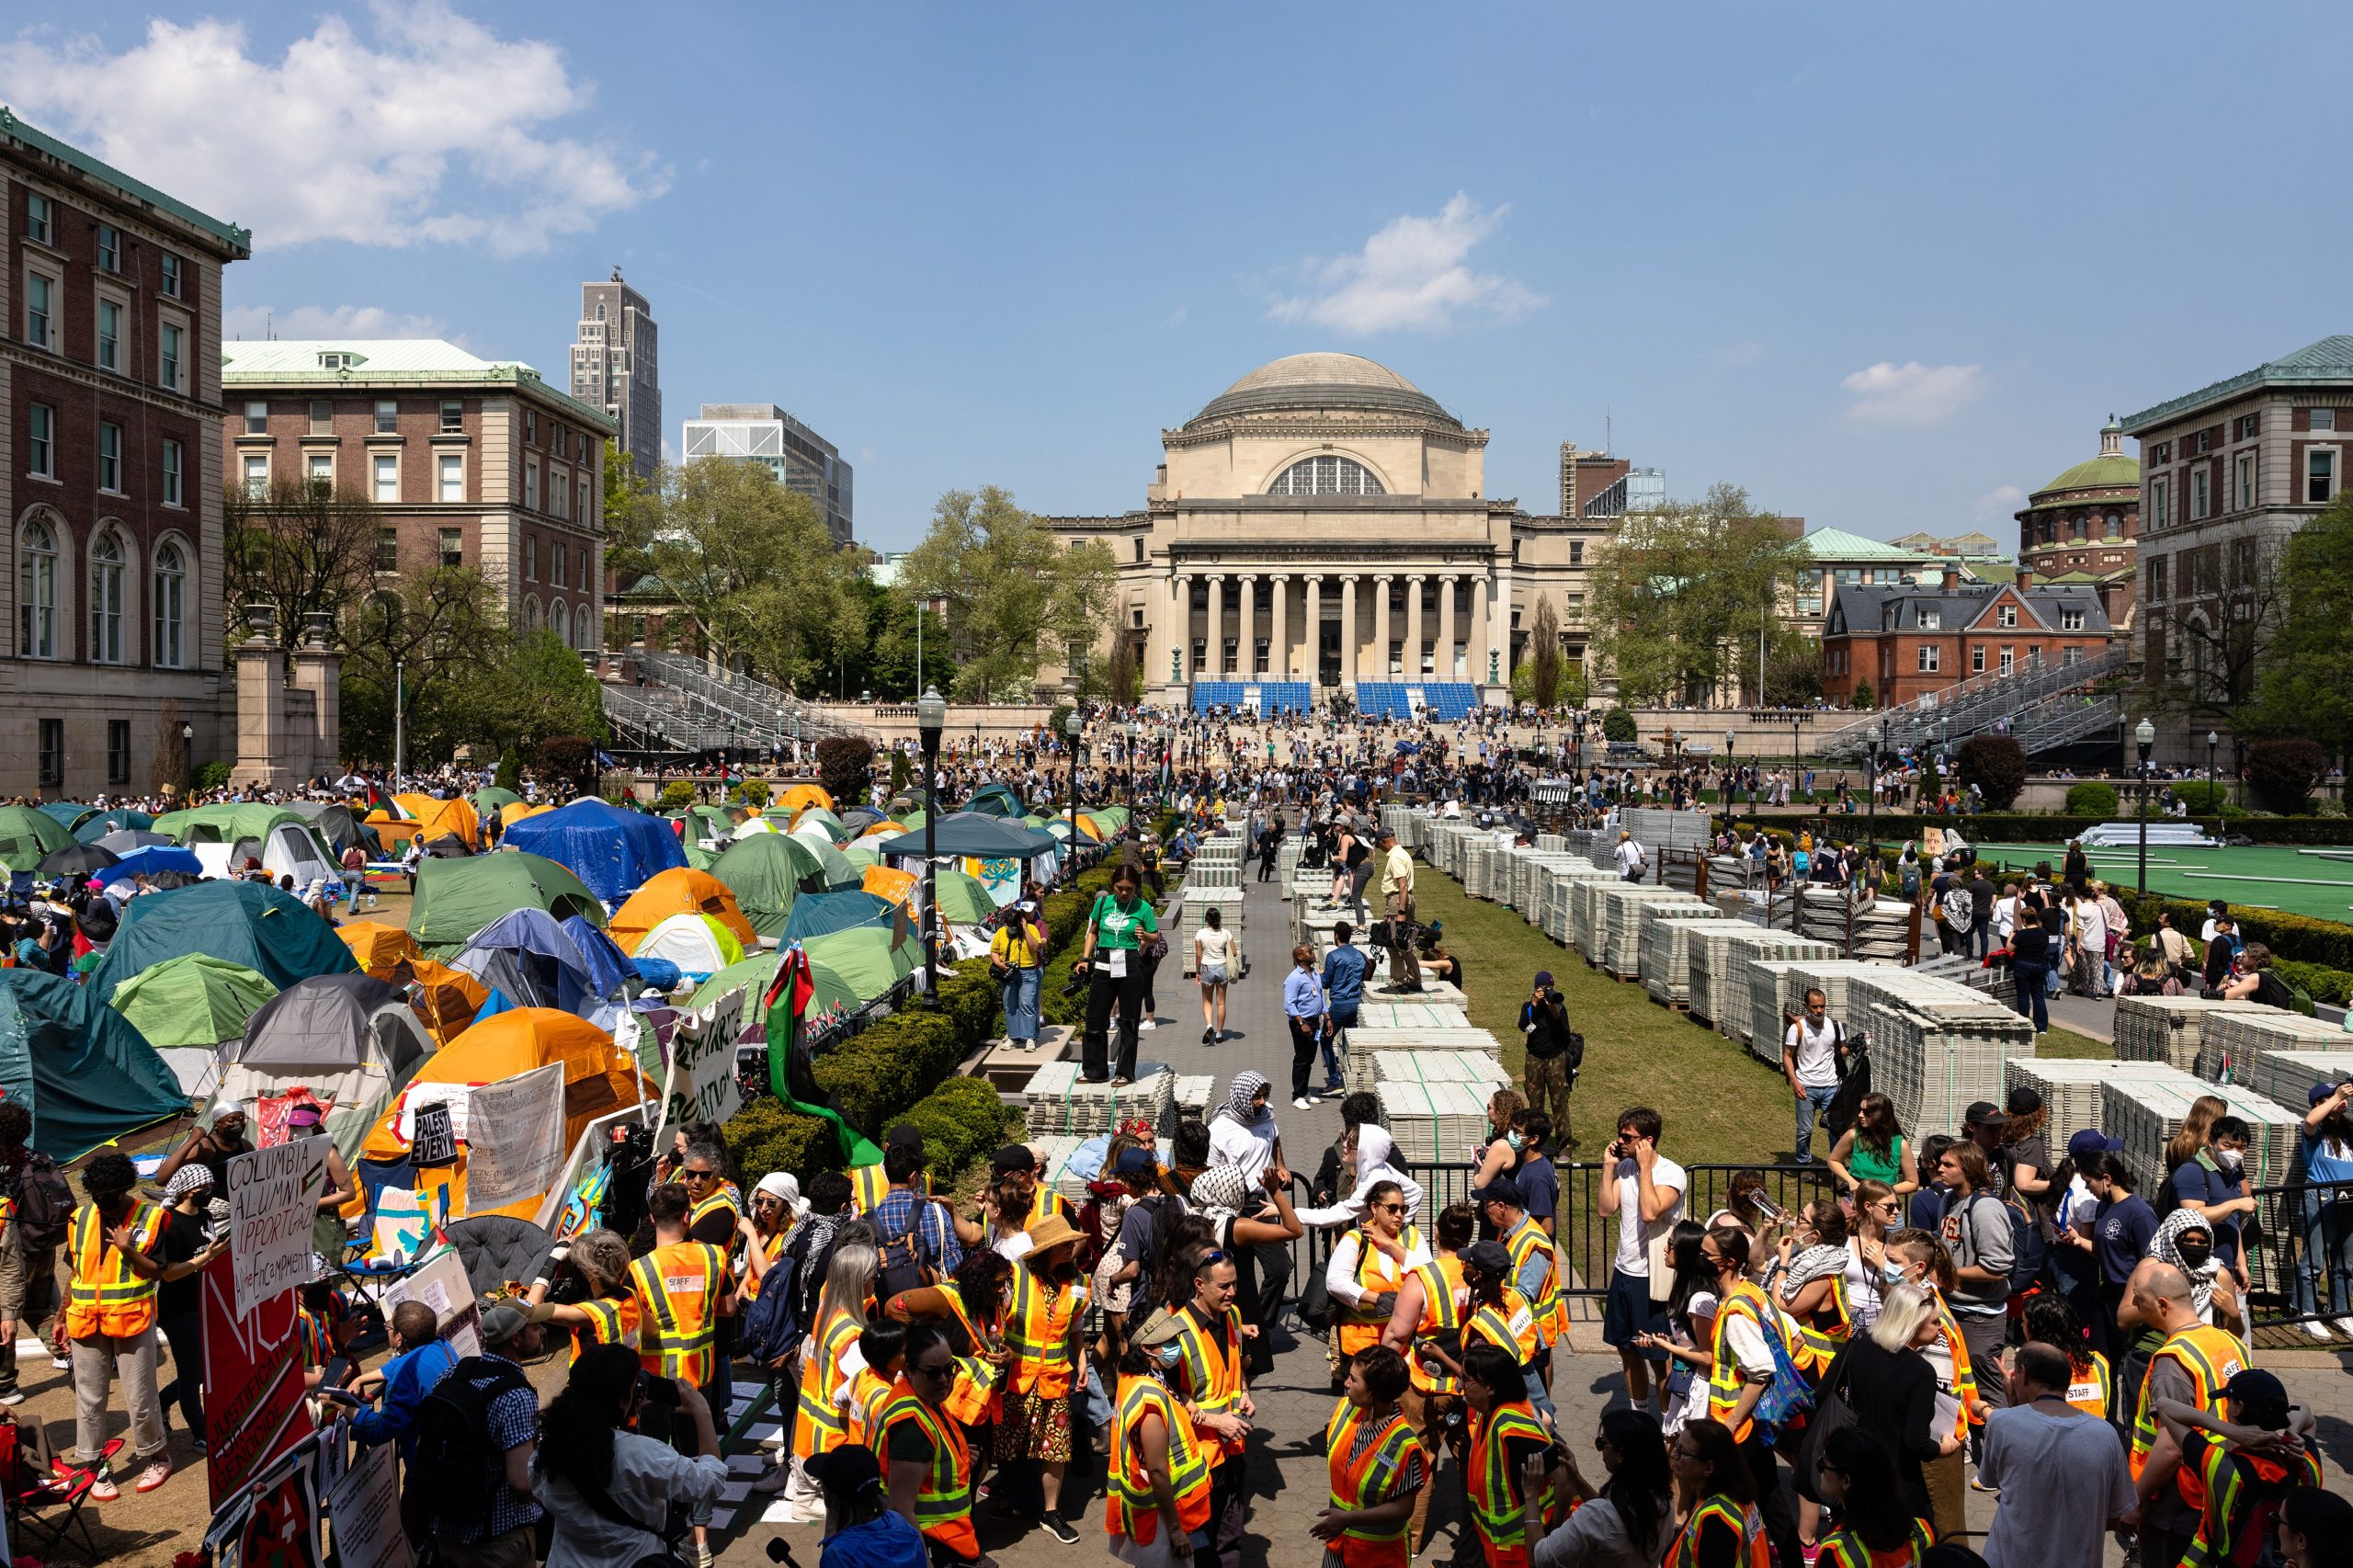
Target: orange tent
[[435, 818], [681, 890], [513, 812], [445, 999], [887, 881], [599, 1079], [801, 795], [381, 948]]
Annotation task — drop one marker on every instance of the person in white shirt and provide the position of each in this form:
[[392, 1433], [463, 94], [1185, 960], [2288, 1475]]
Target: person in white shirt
[[1646, 1195], [1374, 1154], [1243, 1132], [1630, 857], [1810, 1062], [2006, 915], [1397, 1255], [644, 1477]]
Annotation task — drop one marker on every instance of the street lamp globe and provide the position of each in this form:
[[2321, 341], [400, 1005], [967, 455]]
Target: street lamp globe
[[2213, 739], [2144, 734], [931, 715], [1731, 737], [1074, 724]]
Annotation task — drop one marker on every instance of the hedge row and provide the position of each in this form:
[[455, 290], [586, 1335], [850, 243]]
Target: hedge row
[[2024, 828]]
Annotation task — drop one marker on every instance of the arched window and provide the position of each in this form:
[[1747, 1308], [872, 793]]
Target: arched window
[[532, 619], [559, 623], [1326, 476], [106, 598], [171, 607], [37, 592], [583, 627]]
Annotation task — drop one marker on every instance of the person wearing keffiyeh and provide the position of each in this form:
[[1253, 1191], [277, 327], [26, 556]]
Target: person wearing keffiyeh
[[1245, 1133], [2186, 1241]]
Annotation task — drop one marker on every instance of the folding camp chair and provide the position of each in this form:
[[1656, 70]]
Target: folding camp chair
[[43, 1493], [362, 1265]]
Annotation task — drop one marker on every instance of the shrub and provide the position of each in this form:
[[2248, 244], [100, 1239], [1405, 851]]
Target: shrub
[[2283, 773], [2092, 799], [509, 777], [2202, 798], [572, 757], [211, 776], [842, 765], [754, 790], [764, 1137], [1616, 724], [962, 1121], [1996, 766], [900, 772], [2333, 986], [677, 796]]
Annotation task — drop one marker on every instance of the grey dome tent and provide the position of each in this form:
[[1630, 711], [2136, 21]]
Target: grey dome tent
[[348, 1038]]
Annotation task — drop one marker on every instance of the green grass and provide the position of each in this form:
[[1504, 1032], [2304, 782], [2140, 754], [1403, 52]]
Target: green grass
[[2067, 1042]]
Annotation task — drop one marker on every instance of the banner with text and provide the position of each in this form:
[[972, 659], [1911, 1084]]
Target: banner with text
[[703, 1086], [273, 1199], [253, 1379], [515, 1150], [364, 1511]]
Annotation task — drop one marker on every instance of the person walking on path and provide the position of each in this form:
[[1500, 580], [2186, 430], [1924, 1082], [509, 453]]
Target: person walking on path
[[1109, 952], [1810, 1050], [1345, 968], [1975, 1229], [1397, 908], [1217, 958]]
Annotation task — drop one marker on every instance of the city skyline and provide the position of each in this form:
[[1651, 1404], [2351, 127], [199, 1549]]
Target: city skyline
[[1768, 250]]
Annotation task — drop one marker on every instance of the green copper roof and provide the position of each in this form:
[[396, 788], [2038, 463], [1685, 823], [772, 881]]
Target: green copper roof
[[238, 239], [2328, 362], [426, 361], [2098, 473], [1837, 544]]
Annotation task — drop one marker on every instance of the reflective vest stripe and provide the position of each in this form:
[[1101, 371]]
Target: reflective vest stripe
[[106, 1297], [821, 1427], [1129, 1509], [1510, 1328], [943, 1503], [1361, 1321], [1037, 1330], [1213, 1376], [1819, 1345], [1441, 1317], [867, 1186], [1846, 1550], [1755, 1552], [676, 1349], [1497, 1509], [1724, 1375], [2090, 1389], [1526, 1240], [1366, 1481], [770, 1250], [2210, 1357]]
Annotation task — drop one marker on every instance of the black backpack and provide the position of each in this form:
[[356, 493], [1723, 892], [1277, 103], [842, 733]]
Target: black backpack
[[44, 1205], [770, 1329], [448, 1483]]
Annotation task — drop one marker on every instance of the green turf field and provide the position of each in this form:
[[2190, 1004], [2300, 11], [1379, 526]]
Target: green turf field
[[2317, 882]]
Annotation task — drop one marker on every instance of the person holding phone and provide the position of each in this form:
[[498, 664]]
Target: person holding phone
[[607, 1490], [187, 1247], [1110, 958]]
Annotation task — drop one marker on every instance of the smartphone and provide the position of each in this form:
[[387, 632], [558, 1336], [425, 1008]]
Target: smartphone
[[342, 1396], [337, 1372]]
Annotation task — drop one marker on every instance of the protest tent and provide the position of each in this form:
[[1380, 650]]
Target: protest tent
[[195, 999], [513, 812], [117, 818], [333, 824], [290, 849], [528, 957], [123, 840], [612, 851], [887, 881], [445, 999], [766, 872], [679, 891], [812, 820], [854, 967], [436, 818], [26, 834], [754, 823], [84, 1070], [862, 819], [457, 898], [963, 898], [969, 833], [379, 947], [822, 913], [796, 796], [78, 861], [704, 824], [750, 975], [490, 800], [697, 944], [248, 924], [151, 861], [861, 859], [611, 971], [996, 800], [832, 866], [67, 813], [223, 822], [348, 1038]]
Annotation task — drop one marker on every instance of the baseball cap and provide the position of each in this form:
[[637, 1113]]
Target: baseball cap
[[503, 1322], [2265, 1396], [1503, 1189], [2322, 1091], [905, 1135], [2091, 1141], [1489, 1258], [1013, 1157], [1984, 1113], [2024, 1101], [1134, 1162], [1543, 977]]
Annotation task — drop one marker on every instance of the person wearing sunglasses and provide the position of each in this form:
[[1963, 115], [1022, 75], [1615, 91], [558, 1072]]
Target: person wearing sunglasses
[[930, 1464], [1207, 1378], [1508, 1482], [1375, 1465], [1157, 1503], [1367, 1267], [1715, 1496]]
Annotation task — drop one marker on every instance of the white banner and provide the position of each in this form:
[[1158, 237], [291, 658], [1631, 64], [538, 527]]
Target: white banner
[[418, 1096], [702, 1063], [515, 1147], [364, 1511], [441, 1284], [273, 1198]]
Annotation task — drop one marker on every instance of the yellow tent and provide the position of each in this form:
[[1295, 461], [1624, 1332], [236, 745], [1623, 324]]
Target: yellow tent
[[513, 812], [422, 816], [801, 795], [381, 948], [885, 881], [682, 890]]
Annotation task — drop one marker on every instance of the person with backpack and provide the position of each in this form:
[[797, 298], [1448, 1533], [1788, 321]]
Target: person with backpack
[[916, 1233], [1746, 1349], [1956, 910], [468, 1491], [421, 1358], [1812, 1048], [116, 1251], [1553, 1056], [1976, 1228], [616, 1497], [35, 1207]]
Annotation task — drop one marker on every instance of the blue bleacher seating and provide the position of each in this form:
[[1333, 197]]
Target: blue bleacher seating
[[1273, 695], [1441, 701]]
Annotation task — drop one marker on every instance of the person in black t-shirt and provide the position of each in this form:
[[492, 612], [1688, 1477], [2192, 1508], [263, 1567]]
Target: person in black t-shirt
[[186, 1248]]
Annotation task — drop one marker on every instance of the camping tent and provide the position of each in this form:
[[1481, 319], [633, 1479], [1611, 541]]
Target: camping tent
[[26, 834], [861, 861], [968, 833], [612, 851], [963, 901], [996, 800], [347, 1038], [490, 800], [703, 824], [457, 898], [193, 999], [766, 872], [248, 924], [290, 849], [697, 943], [822, 913], [435, 818], [223, 822], [445, 999], [89, 830], [750, 976], [528, 956], [610, 970], [852, 967], [599, 1079], [379, 947], [334, 824], [69, 813], [83, 1069], [889, 882], [813, 820], [679, 891], [833, 867]]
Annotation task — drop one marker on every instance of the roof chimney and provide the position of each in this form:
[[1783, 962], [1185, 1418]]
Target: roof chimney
[[1952, 578], [2026, 577], [2111, 438]]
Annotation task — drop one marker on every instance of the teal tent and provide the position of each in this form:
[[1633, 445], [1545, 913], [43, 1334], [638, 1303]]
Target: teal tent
[[996, 800], [822, 913], [116, 820], [84, 1070], [271, 932], [67, 812]]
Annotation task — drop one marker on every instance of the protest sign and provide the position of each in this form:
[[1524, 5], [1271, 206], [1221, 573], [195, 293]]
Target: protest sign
[[364, 1511], [282, 1528], [436, 1139], [270, 1113], [515, 1150], [253, 1379], [417, 1096], [273, 1200], [441, 1284], [703, 1086]]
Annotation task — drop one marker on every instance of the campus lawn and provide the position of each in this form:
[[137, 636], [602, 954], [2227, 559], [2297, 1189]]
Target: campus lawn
[[2067, 1042]]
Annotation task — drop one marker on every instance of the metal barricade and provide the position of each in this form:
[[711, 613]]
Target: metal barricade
[[2298, 1248]]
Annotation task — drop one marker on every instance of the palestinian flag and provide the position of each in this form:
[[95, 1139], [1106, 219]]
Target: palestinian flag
[[791, 1074]]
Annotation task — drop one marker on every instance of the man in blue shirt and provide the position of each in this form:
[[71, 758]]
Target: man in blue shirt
[[1345, 968], [2215, 1185], [423, 1361], [1304, 1011]]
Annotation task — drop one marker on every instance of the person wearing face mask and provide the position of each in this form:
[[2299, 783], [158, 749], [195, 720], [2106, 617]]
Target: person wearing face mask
[[2187, 1242], [1156, 1485], [2214, 1184], [1917, 1257]]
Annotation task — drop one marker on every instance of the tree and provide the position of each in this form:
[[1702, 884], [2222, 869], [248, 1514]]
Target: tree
[[2281, 773], [752, 563], [536, 690], [1544, 655], [2226, 611], [843, 767], [1012, 597], [1617, 726], [1792, 669], [2304, 685], [1523, 682], [1122, 675], [168, 772], [1864, 696], [1577, 688], [1681, 598], [437, 632], [1996, 766], [303, 547]]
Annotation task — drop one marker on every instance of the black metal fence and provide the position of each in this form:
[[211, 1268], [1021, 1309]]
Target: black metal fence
[[2298, 1247]]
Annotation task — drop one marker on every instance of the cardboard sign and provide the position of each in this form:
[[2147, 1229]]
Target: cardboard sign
[[436, 1139], [273, 1200], [703, 1086], [442, 1285], [253, 1379], [516, 1149], [455, 1097], [364, 1511], [282, 1529]]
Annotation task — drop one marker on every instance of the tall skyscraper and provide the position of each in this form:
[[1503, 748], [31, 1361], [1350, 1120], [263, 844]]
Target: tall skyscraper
[[799, 457], [617, 366]]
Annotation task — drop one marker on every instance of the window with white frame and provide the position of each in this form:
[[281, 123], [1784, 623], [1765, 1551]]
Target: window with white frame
[[256, 419], [587, 564], [171, 606], [2068, 657], [2244, 499], [452, 544], [583, 628], [531, 558], [531, 485], [2320, 473], [1326, 476], [2071, 619], [559, 622], [37, 220], [168, 338], [37, 592], [175, 467], [109, 248], [453, 416], [1977, 658], [388, 549], [452, 486], [110, 457], [109, 335], [1931, 658], [41, 310], [388, 416], [388, 477], [318, 468], [2008, 661], [1931, 617], [2199, 500], [558, 493], [321, 416], [105, 597], [2160, 503], [256, 476], [40, 446], [2005, 616], [2324, 418]]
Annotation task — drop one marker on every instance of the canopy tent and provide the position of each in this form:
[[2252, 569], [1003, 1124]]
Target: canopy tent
[[599, 1079], [195, 999], [334, 825], [527, 955], [612, 851], [766, 872], [91, 829], [379, 949], [79, 861], [822, 913], [796, 796], [123, 840], [889, 883], [996, 800], [698, 944], [679, 891], [84, 1070], [457, 898], [832, 866], [148, 862], [26, 834], [963, 898], [967, 832], [852, 967], [248, 924], [348, 1038]]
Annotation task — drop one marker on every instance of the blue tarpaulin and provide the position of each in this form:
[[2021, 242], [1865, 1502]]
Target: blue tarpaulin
[[530, 956], [609, 850], [609, 969]]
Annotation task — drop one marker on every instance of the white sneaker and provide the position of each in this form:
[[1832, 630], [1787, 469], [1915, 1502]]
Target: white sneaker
[[1303, 1103], [2317, 1329], [1147, 1024], [2345, 1327]]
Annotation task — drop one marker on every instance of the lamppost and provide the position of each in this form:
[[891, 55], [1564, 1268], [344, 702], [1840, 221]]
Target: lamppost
[[187, 756], [2145, 736], [931, 717], [1795, 720], [1134, 731], [2238, 765], [1871, 746], [1731, 736], [1073, 725], [2212, 740]]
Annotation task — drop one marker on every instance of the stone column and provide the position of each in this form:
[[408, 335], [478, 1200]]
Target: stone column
[[1414, 620], [1446, 626], [263, 737], [1314, 628], [1246, 641], [1180, 624], [1279, 634], [1380, 625], [317, 670], [1348, 629], [1479, 630], [1217, 628]]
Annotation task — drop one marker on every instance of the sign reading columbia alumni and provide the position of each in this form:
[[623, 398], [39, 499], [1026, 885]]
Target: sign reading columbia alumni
[[273, 1199]]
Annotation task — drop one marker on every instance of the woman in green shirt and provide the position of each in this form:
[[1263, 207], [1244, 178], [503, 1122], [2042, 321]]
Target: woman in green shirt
[[1111, 955], [1874, 1149]]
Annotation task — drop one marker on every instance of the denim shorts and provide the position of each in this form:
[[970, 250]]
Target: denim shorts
[[1213, 974]]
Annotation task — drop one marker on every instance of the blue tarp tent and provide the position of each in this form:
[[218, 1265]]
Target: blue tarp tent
[[272, 933], [822, 913], [154, 858], [609, 850], [84, 1070], [609, 969]]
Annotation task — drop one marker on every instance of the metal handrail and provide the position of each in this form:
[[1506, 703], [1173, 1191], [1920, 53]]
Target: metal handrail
[[1973, 705], [766, 711]]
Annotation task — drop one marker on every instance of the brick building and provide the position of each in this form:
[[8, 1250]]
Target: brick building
[[2084, 527], [109, 473], [471, 463], [1913, 639]]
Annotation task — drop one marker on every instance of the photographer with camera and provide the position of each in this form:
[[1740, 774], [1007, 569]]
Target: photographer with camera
[[617, 1498], [1554, 1052], [1111, 959]]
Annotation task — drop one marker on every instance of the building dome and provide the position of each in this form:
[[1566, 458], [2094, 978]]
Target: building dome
[[2110, 470], [1315, 383]]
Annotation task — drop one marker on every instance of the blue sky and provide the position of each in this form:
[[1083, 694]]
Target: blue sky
[[1888, 268]]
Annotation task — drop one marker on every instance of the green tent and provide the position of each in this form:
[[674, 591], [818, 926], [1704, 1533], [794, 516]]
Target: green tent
[[815, 818], [225, 822], [767, 871], [908, 820], [489, 798], [749, 975], [852, 967], [456, 898], [1110, 819], [860, 857], [698, 857], [68, 813], [962, 899], [195, 999], [705, 822], [84, 1070], [994, 800], [27, 834], [250, 924], [832, 866]]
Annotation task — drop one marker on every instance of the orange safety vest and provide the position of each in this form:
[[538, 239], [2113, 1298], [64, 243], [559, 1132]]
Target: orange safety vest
[[820, 1428], [1493, 1488], [1046, 1201], [1510, 1327], [2090, 1391], [1550, 1307], [107, 1298], [1755, 1551], [1037, 1330], [1369, 1480], [1361, 1321], [609, 1322], [974, 1398], [1129, 1509], [944, 1501], [1846, 1550], [676, 1288], [770, 1250], [1442, 1297], [1213, 1376], [719, 1202], [867, 1186], [1725, 1374], [2212, 1356], [862, 1408]]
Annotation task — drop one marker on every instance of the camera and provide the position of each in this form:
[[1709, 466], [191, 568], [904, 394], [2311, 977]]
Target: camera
[[1077, 982]]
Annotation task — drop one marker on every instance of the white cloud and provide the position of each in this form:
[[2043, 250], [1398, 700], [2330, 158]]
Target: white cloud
[[1412, 277], [357, 322], [423, 126], [1912, 393], [2000, 504]]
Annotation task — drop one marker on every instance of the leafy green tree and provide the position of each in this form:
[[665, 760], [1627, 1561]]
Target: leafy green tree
[[2283, 773], [1679, 599], [1864, 696], [2305, 667], [752, 563], [538, 691], [1996, 764], [302, 546], [1544, 655], [1013, 599], [438, 628], [632, 517], [1523, 681], [1792, 669]]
